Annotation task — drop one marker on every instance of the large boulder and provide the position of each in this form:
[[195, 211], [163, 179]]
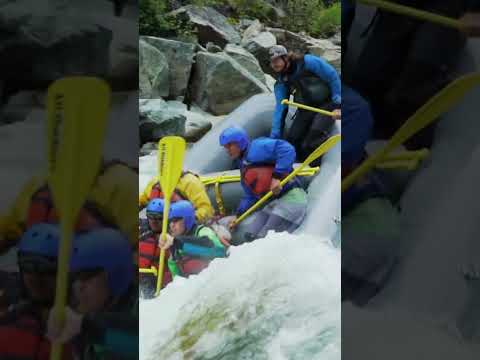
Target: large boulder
[[211, 26], [259, 46], [153, 72], [159, 119], [332, 56], [255, 28], [299, 42], [180, 60], [246, 59], [220, 84], [38, 49], [302, 43]]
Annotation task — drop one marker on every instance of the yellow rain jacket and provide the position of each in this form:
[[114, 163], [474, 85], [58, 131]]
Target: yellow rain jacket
[[190, 188], [114, 194]]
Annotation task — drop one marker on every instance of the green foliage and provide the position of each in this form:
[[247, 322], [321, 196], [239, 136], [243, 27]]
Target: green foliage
[[327, 21], [310, 16], [154, 21]]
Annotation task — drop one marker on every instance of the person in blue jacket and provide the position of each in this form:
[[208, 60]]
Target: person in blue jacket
[[312, 81], [357, 128], [263, 163], [103, 319]]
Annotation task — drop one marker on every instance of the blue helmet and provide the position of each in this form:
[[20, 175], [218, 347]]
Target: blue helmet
[[235, 134], [155, 206], [40, 239], [106, 249], [185, 210]]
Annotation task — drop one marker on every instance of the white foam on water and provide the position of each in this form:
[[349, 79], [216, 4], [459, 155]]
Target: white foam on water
[[276, 298]]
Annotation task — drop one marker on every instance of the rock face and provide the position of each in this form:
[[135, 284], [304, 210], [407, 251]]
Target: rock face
[[179, 56], [259, 46], [332, 56], [20, 105], [220, 84], [247, 60], [255, 28], [158, 119], [42, 47], [211, 26], [153, 72]]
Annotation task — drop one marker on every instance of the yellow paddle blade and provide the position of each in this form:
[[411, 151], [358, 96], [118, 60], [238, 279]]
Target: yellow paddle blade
[[430, 111], [319, 151], [305, 107], [77, 110], [171, 151], [415, 13]]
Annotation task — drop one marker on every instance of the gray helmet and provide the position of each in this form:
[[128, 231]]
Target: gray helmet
[[277, 51]]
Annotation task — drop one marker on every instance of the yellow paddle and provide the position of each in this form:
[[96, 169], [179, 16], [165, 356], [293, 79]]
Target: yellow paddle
[[171, 151], [305, 107], [322, 149], [429, 112], [415, 13], [77, 110]]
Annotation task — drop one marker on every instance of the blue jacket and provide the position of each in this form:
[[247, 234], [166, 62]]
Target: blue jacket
[[357, 124], [320, 68], [262, 151]]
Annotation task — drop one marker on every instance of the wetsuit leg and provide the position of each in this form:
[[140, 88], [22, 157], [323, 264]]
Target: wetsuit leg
[[299, 130], [318, 133], [256, 226]]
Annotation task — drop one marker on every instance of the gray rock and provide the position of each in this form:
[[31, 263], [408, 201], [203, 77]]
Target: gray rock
[[253, 30], [180, 60], [336, 39], [247, 60], [153, 72], [259, 46], [159, 118], [243, 24], [332, 56], [196, 126], [299, 42], [212, 48], [148, 148], [19, 106], [220, 84], [38, 48], [211, 26], [270, 81]]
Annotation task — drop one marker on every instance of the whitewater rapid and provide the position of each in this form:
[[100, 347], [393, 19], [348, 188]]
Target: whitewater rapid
[[277, 298]]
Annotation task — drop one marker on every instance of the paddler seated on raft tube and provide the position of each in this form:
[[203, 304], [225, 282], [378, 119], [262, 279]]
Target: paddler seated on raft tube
[[102, 319], [313, 82], [263, 163], [370, 220], [189, 188], [115, 187], [23, 316], [189, 246], [104, 313]]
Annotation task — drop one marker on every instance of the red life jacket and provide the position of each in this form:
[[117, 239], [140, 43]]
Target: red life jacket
[[191, 266], [23, 338], [258, 178], [149, 252], [157, 193], [42, 210]]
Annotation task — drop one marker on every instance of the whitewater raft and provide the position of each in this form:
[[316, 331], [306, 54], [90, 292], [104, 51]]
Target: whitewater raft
[[210, 160]]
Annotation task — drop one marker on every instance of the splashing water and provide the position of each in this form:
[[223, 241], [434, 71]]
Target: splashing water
[[277, 298]]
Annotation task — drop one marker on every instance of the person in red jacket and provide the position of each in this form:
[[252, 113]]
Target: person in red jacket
[[22, 326]]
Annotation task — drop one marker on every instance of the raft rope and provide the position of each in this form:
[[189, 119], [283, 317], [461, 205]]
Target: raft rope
[[216, 181], [219, 199]]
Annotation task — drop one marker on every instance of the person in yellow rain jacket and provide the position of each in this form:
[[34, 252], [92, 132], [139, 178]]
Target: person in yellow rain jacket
[[189, 187], [110, 203]]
